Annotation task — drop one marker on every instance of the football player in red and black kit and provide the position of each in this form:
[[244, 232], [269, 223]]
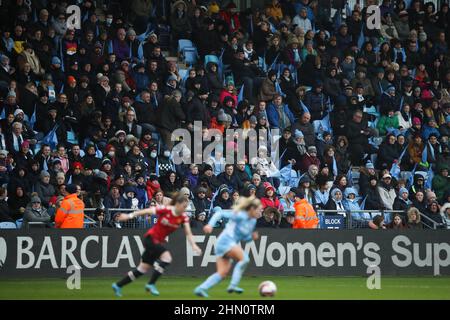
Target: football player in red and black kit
[[170, 218]]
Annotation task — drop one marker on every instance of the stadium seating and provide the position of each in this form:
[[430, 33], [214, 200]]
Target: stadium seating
[[8, 225]]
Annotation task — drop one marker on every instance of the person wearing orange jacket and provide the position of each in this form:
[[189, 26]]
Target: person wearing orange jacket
[[70, 215], [305, 216]]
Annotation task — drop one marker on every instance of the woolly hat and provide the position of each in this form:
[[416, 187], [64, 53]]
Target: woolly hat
[[369, 165], [298, 134]]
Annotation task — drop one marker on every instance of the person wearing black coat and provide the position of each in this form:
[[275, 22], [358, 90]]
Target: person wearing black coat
[[215, 82], [358, 134], [388, 152], [335, 202], [170, 183], [401, 202], [229, 178], [373, 199], [5, 212], [201, 202], [17, 202], [172, 115], [209, 43], [198, 108], [223, 199], [365, 175]]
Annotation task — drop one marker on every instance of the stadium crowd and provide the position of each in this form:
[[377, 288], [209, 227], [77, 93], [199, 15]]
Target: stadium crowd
[[363, 114]]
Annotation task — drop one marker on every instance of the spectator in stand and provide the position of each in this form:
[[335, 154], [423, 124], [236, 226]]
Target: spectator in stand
[[387, 192], [35, 213], [413, 219], [397, 223], [402, 202], [98, 106]]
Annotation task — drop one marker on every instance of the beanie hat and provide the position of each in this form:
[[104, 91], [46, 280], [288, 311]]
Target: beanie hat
[[214, 8], [17, 112], [369, 165], [71, 79], [44, 174], [403, 190], [35, 199], [56, 60], [298, 134]]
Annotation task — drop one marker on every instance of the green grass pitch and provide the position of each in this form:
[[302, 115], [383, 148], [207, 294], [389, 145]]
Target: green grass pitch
[[180, 288]]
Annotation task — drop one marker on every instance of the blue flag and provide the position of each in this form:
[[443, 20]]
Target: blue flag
[[411, 178], [51, 138], [220, 63], [337, 20], [304, 107], [278, 89], [430, 176], [335, 168], [98, 153], [402, 154], [395, 170], [212, 200], [363, 203], [425, 154], [350, 177], [241, 94], [361, 38], [33, 118]]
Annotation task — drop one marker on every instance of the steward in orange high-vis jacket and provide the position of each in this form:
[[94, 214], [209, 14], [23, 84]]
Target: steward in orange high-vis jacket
[[70, 215], [305, 216]]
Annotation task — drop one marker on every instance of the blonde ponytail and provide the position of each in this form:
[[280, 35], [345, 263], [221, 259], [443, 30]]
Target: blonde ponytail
[[245, 204]]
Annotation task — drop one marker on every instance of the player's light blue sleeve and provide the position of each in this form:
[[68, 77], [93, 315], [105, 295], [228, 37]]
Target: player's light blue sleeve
[[249, 237], [218, 215]]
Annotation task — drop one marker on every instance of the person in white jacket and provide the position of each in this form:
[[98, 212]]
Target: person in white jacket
[[302, 21], [445, 213], [387, 191]]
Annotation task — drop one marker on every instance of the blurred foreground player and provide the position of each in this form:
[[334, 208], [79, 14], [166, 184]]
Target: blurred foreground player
[[170, 218], [240, 227]]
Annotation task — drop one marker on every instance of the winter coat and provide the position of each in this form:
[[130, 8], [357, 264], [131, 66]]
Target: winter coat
[[32, 215], [45, 192], [387, 194], [274, 118], [267, 91], [387, 122], [440, 185]]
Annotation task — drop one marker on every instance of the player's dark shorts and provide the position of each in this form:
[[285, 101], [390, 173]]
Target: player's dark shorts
[[152, 250]]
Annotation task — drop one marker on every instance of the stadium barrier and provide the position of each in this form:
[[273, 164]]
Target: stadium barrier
[[112, 252], [328, 219]]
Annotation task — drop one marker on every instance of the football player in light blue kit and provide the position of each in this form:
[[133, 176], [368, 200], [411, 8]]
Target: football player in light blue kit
[[240, 227]]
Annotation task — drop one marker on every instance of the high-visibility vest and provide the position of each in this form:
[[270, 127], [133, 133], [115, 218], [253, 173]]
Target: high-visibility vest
[[70, 215], [305, 216]]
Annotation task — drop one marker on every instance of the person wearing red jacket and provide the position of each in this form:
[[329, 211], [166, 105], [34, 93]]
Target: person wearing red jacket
[[270, 199], [152, 186], [231, 17]]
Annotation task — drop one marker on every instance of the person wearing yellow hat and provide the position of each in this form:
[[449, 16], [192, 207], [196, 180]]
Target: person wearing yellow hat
[[213, 8]]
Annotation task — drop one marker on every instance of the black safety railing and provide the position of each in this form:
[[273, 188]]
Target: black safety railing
[[328, 219]]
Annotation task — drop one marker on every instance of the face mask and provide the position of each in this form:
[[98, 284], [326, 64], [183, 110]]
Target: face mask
[[153, 155], [166, 154], [109, 21], [111, 153]]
